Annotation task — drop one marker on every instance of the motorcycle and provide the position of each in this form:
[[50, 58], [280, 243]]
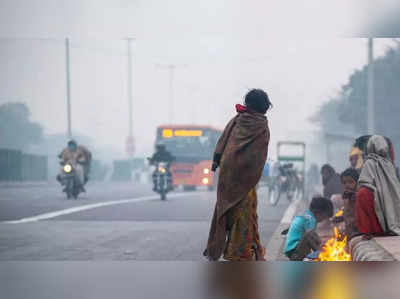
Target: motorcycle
[[71, 177], [287, 182], [162, 180]]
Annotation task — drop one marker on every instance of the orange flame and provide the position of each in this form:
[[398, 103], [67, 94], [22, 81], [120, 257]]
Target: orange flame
[[339, 213], [334, 249]]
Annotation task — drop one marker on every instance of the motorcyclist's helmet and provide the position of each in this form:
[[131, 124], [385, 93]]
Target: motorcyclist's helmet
[[160, 146], [72, 145]]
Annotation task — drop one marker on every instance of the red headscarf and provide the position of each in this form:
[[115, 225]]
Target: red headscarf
[[240, 108]]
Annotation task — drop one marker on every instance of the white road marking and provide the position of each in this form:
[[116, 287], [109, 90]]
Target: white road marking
[[58, 213], [290, 211]]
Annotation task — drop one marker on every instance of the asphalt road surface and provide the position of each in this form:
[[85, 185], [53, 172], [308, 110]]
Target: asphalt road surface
[[111, 222]]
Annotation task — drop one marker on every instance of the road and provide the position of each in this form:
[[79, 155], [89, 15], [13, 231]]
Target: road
[[111, 222]]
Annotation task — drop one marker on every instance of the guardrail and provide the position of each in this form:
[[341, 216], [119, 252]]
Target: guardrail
[[18, 166]]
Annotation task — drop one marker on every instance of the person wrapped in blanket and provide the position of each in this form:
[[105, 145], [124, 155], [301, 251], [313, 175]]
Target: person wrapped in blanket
[[240, 155], [378, 195], [302, 238], [359, 151]]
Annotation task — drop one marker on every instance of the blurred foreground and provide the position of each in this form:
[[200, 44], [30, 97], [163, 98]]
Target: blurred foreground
[[189, 280]]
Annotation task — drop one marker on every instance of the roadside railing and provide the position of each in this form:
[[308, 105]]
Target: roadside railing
[[16, 166]]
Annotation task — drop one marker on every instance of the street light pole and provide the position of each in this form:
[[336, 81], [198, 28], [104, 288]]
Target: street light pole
[[130, 94], [371, 96], [68, 87], [130, 142], [171, 101], [171, 70]]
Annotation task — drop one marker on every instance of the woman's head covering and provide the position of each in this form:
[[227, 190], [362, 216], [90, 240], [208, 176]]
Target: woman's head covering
[[355, 151], [377, 145], [379, 175], [381, 146]]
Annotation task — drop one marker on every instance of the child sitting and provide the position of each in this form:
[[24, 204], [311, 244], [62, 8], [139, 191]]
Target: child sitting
[[302, 238], [349, 180]]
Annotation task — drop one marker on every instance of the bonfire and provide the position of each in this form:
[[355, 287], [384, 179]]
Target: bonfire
[[339, 213], [335, 249]]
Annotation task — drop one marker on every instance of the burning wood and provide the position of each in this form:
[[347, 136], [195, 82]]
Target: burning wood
[[335, 249]]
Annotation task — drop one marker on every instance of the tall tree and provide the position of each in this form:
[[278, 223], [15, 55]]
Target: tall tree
[[350, 107], [17, 131]]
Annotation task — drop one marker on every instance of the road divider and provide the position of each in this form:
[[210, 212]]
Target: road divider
[[82, 208]]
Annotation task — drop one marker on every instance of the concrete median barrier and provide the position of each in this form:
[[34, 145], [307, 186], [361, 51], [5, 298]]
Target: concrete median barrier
[[375, 250], [16, 166]]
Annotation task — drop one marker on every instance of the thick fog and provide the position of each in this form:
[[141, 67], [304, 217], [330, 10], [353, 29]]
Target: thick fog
[[218, 57]]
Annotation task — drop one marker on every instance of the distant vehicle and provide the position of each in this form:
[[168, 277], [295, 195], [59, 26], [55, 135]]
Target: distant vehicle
[[286, 182], [287, 179], [193, 147]]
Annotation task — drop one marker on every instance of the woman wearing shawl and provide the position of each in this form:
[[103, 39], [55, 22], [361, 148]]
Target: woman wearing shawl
[[378, 196], [240, 153]]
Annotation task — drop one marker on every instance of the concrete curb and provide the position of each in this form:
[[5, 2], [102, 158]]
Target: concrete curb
[[369, 251], [275, 245]]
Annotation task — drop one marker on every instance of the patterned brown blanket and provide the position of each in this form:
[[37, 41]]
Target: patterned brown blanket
[[243, 148]]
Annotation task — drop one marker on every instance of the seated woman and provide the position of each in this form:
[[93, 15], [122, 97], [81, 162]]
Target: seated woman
[[378, 196]]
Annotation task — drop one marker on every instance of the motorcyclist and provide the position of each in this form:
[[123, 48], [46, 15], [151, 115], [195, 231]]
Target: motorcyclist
[[275, 172], [77, 153], [288, 171], [285, 170], [162, 155]]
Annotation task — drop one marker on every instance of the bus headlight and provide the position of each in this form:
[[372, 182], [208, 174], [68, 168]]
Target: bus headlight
[[67, 168], [205, 181], [206, 171]]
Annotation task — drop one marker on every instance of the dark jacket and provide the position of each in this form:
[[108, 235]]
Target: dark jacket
[[162, 156]]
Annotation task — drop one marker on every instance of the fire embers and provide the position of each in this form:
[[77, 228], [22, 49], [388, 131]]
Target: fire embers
[[335, 249]]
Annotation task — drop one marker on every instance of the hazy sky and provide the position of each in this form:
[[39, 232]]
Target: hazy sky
[[218, 57]]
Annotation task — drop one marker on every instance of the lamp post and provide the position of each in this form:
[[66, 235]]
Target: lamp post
[[130, 145], [68, 87], [371, 95]]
